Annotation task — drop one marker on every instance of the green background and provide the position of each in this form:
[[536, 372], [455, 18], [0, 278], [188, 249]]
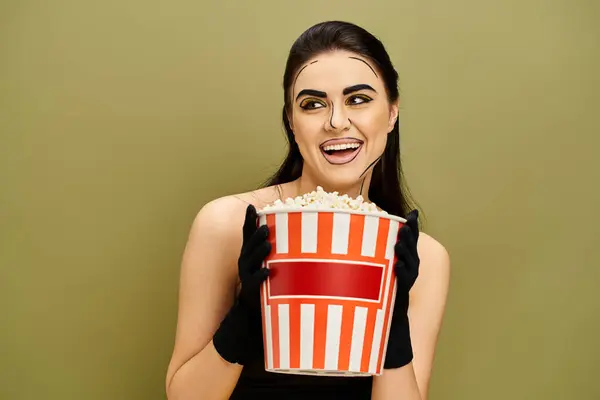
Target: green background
[[120, 119]]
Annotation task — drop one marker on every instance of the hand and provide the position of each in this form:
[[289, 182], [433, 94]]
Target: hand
[[399, 350], [239, 337]]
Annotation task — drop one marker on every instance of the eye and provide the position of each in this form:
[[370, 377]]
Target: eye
[[358, 99], [311, 104]]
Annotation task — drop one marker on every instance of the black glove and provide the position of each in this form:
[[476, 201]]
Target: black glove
[[399, 349], [239, 336]]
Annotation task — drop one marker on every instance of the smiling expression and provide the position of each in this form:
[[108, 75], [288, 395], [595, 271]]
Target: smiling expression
[[340, 116]]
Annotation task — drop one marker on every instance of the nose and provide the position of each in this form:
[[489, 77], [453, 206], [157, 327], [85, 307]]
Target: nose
[[338, 120]]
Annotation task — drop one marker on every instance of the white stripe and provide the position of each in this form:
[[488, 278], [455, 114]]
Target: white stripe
[[389, 255], [376, 342], [341, 233], [307, 329], [281, 233], [269, 337], [391, 240], [387, 334], [262, 220], [309, 232], [284, 335], [369, 239], [358, 337], [378, 336], [332, 342]]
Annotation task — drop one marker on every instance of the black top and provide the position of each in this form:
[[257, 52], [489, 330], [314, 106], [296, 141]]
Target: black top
[[256, 383]]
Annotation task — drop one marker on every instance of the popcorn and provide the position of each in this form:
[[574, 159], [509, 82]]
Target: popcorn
[[322, 200]]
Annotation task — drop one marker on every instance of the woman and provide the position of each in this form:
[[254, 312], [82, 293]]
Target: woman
[[341, 117]]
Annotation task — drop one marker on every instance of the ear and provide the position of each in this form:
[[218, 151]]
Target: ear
[[393, 116]]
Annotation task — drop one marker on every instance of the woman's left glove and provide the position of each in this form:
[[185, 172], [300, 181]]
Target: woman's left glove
[[238, 338], [399, 348]]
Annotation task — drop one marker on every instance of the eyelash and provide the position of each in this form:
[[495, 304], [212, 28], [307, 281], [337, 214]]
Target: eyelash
[[305, 104]]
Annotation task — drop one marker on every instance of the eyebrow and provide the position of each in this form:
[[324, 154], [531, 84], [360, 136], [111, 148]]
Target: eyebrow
[[346, 91], [356, 88], [312, 92]]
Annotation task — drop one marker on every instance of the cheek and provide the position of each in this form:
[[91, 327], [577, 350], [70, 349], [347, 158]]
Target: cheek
[[306, 130], [373, 124]]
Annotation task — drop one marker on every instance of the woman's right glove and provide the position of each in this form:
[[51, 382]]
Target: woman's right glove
[[239, 336], [399, 348]]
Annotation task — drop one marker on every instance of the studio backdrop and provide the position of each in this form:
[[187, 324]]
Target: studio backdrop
[[120, 119]]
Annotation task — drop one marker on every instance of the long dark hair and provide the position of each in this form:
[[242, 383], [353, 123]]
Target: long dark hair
[[387, 189]]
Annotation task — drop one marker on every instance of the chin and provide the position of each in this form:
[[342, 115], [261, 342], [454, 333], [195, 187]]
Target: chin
[[343, 181]]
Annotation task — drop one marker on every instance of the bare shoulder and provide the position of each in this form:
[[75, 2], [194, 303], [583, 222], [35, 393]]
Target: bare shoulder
[[221, 215], [208, 275], [224, 216], [218, 224], [434, 269], [432, 253]]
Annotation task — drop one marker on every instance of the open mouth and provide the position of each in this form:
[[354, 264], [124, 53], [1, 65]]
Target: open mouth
[[341, 151]]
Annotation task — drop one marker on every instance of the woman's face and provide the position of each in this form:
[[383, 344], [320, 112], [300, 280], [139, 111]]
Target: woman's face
[[340, 116]]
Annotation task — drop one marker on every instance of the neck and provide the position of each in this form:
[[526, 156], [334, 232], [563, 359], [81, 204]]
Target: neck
[[306, 184]]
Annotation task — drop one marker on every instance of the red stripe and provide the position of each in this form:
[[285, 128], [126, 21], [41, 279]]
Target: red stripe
[[321, 278], [320, 335], [386, 319], [263, 295], [382, 238], [294, 234], [275, 333], [324, 234], [355, 238], [295, 329], [346, 337]]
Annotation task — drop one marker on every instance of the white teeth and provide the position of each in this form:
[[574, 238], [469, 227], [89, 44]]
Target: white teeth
[[344, 146]]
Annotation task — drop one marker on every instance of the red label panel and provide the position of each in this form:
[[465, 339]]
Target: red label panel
[[323, 278]]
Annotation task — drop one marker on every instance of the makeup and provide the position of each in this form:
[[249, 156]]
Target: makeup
[[341, 151], [356, 58], [345, 92], [331, 116], [312, 92], [356, 88], [301, 69], [365, 171]]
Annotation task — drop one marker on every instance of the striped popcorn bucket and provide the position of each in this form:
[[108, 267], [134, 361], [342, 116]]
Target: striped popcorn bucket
[[327, 303]]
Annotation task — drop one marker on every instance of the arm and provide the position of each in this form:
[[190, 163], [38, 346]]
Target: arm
[[426, 310], [207, 285]]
